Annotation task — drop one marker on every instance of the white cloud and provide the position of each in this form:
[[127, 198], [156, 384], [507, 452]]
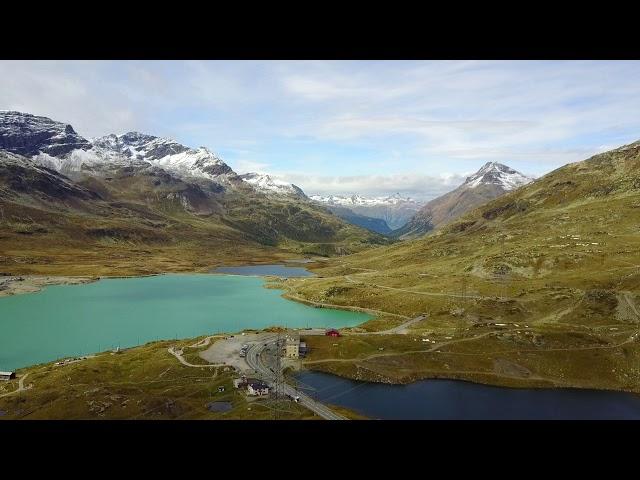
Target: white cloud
[[68, 92], [488, 110], [246, 166], [421, 187], [340, 118]]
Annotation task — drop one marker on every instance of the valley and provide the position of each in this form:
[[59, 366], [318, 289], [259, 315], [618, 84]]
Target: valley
[[521, 283]]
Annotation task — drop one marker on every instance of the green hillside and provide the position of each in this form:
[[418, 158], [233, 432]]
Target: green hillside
[[139, 221], [560, 255]]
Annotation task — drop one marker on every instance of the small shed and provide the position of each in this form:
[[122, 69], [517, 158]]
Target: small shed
[[7, 375], [332, 332]]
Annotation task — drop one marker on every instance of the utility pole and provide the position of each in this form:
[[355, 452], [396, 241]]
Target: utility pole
[[463, 288], [503, 272]]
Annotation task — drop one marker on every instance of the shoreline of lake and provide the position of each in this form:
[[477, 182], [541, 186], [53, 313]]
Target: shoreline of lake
[[263, 270], [23, 284]]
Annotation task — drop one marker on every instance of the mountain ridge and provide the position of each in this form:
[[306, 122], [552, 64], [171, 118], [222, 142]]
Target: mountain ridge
[[135, 189]]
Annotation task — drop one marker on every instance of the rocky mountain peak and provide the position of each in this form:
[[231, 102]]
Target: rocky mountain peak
[[27, 134], [494, 173], [136, 138]]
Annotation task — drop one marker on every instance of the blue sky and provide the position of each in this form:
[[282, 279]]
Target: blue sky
[[369, 127]]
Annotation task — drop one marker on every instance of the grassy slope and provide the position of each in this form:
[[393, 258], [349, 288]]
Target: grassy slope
[[140, 383], [561, 255]]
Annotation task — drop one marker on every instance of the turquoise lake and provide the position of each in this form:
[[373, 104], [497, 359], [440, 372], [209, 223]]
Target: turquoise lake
[[70, 320]]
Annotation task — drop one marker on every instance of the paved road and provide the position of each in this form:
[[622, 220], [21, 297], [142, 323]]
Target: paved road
[[255, 361]]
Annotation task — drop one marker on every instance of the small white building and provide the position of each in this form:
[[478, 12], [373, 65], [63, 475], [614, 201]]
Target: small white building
[[7, 375]]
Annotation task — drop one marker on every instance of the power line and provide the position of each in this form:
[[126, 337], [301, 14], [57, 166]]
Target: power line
[[278, 375]]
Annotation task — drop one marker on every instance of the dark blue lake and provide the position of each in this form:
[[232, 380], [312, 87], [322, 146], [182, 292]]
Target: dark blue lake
[[458, 400], [264, 270]]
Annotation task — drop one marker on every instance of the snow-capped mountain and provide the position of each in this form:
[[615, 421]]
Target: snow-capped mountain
[[394, 209], [266, 184], [57, 146], [494, 173], [167, 154], [29, 135], [491, 181]]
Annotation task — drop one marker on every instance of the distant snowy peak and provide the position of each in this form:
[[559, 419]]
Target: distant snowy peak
[[493, 173], [359, 200], [267, 184], [394, 209]]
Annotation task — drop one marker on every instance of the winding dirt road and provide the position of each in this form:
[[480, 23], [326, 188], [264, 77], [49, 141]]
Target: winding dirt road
[[20, 388], [181, 359], [429, 294]]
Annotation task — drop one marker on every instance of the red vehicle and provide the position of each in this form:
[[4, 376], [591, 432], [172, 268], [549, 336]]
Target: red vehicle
[[332, 332]]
